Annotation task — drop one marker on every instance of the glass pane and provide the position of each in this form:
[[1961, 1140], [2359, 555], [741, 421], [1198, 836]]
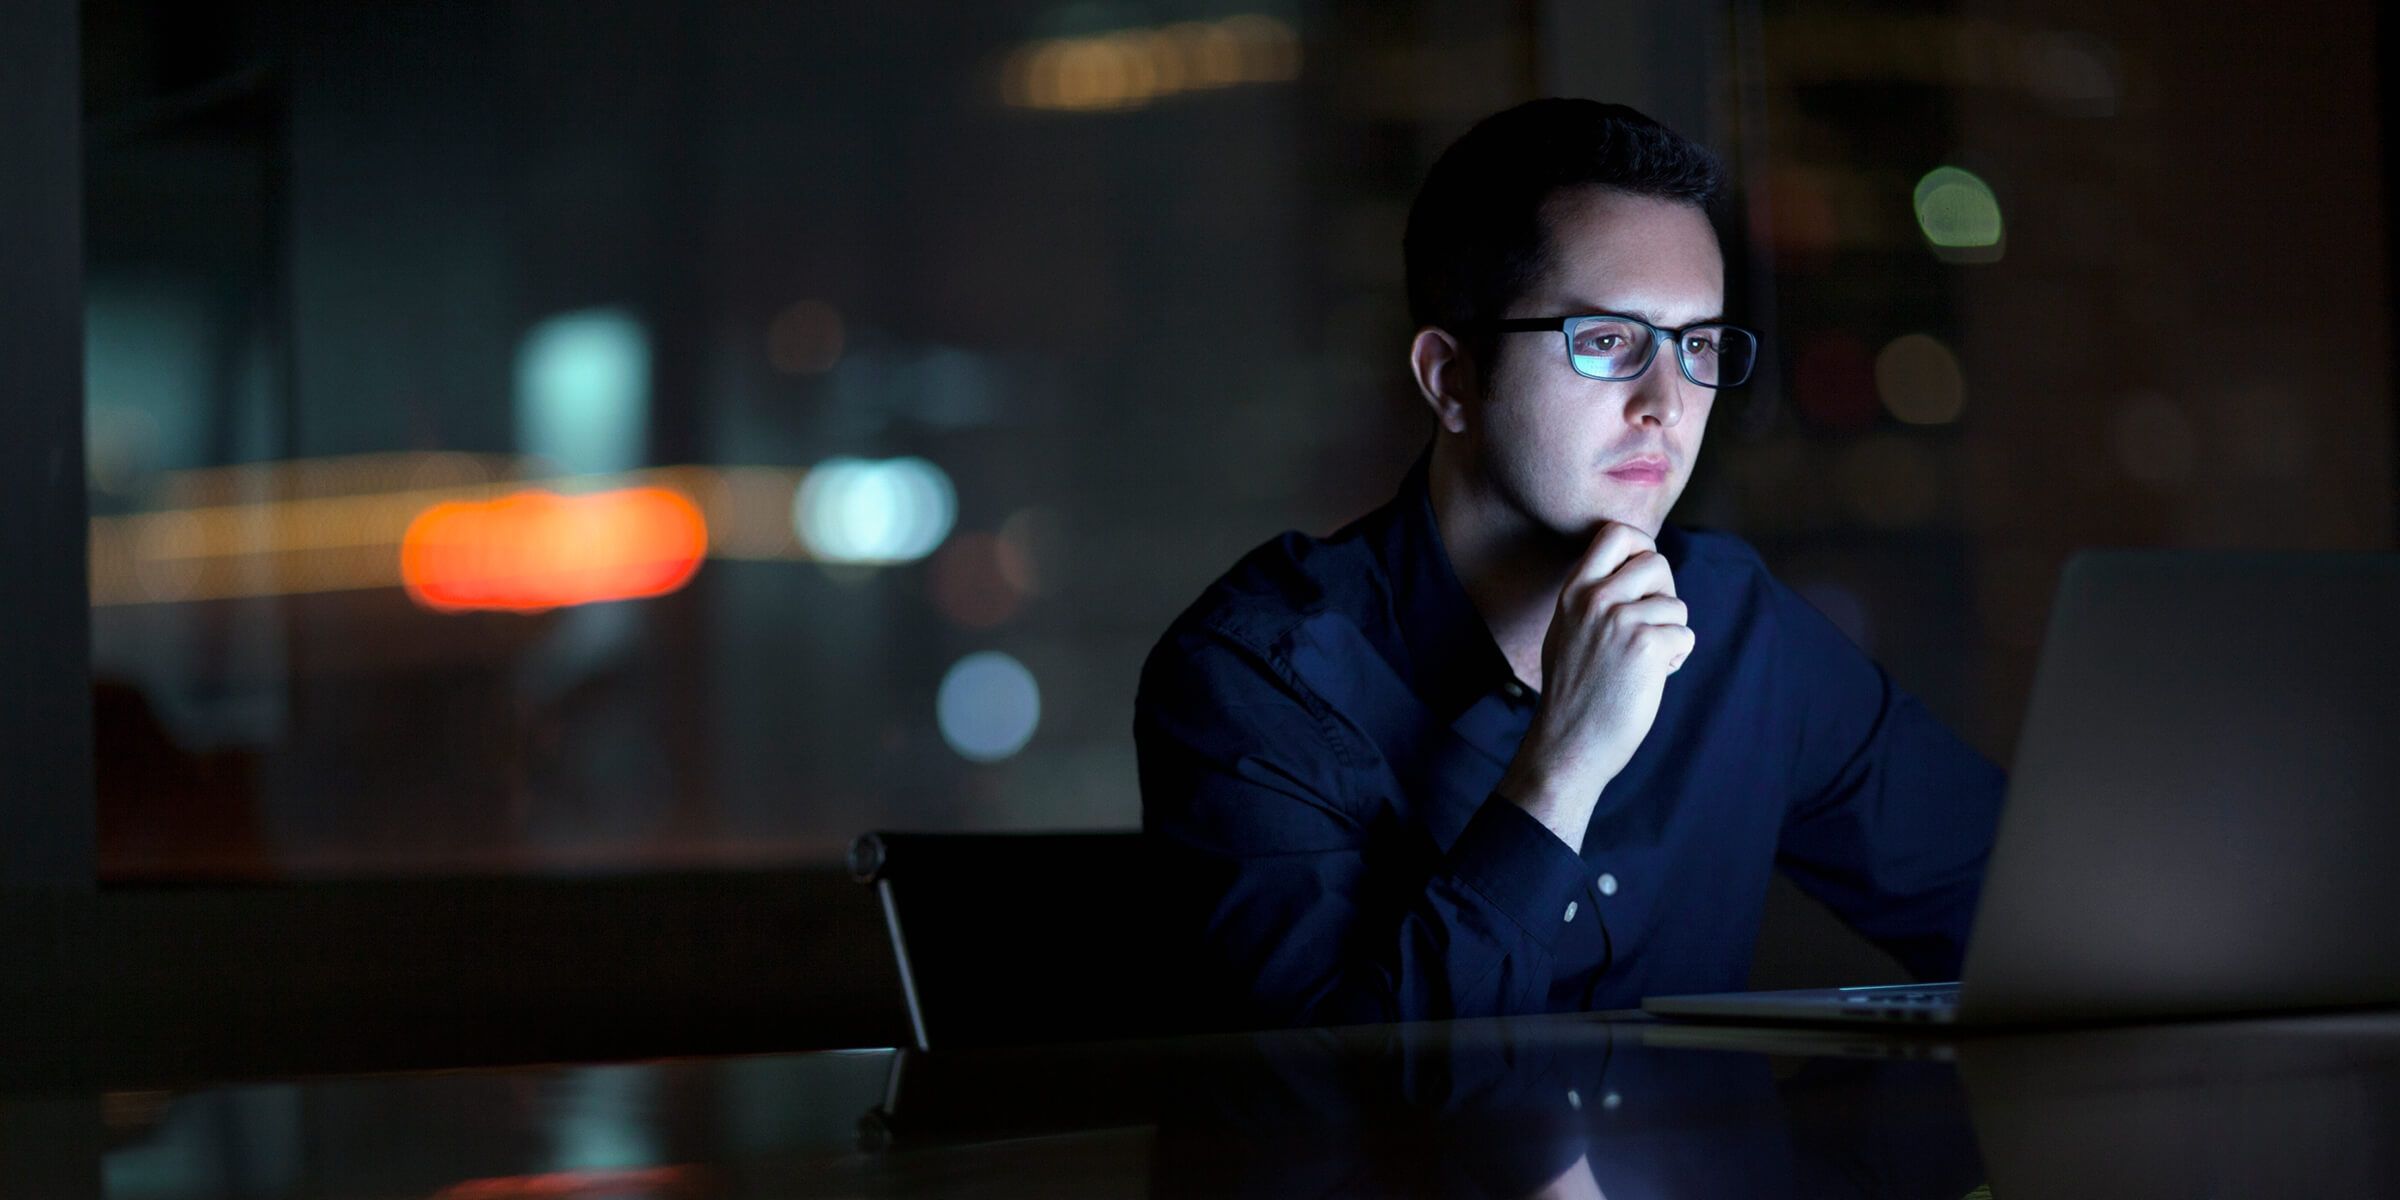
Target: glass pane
[[526, 443]]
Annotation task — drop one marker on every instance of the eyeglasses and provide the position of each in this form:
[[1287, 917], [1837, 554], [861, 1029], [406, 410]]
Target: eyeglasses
[[1617, 348]]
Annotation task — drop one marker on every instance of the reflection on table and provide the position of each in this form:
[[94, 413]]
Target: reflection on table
[[1554, 1106]]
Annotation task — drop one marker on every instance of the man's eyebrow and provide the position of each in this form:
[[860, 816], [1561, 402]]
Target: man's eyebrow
[[1586, 306]]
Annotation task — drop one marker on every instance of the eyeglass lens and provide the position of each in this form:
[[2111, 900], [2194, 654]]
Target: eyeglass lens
[[1617, 349]]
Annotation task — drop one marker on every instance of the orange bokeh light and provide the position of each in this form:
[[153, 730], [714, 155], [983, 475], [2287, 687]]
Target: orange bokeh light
[[535, 550], [672, 1181]]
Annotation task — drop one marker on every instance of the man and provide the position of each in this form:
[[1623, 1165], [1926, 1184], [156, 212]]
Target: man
[[1512, 743]]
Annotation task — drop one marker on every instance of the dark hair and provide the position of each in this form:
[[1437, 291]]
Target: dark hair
[[1475, 239]]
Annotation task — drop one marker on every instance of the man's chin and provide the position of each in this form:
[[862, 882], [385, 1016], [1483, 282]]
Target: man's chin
[[1640, 516]]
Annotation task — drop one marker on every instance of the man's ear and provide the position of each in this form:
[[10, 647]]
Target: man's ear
[[1445, 376]]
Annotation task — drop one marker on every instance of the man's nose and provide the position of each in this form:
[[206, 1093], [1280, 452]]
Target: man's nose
[[1658, 395]]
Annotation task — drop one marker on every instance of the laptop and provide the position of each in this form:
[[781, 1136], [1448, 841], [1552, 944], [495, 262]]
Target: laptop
[[2204, 813]]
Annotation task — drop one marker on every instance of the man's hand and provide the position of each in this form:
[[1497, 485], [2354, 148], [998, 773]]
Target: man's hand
[[1618, 633]]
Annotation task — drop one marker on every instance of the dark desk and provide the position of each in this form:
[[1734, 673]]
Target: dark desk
[[1571, 1106]]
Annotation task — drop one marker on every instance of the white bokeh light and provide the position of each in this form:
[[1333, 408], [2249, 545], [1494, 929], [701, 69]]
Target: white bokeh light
[[856, 510], [988, 706], [583, 392]]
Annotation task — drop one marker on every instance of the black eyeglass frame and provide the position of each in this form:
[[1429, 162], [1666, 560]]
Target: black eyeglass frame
[[1564, 327]]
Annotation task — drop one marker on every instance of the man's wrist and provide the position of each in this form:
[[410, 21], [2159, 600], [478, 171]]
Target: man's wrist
[[1562, 806]]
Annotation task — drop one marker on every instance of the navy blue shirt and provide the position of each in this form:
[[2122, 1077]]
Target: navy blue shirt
[[1320, 733]]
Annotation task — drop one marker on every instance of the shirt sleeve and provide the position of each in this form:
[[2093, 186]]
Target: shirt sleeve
[[1891, 815], [1284, 883]]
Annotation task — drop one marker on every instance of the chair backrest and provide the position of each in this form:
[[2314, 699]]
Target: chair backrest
[[1020, 938]]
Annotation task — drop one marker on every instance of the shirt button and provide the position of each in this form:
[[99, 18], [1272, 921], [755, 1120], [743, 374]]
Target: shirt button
[[1608, 884], [1570, 910], [1515, 690]]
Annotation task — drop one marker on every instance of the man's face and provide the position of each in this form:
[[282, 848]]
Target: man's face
[[1549, 439]]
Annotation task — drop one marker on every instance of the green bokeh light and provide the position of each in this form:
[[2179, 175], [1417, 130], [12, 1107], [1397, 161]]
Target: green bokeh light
[[1957, 211]]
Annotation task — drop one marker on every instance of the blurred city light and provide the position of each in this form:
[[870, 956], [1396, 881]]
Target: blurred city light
[[1796, 213], [222, 548], [538, 550], [1920, 381], [121, 444], [805, 338], [146, 355], [1129, 68], [1889, 481], [583, 392], [972, 583], [2075, 73], [1959, 215], [1023, 536], [665, 1183], [2154, 441], [749, 509], [852, 510], [988, 706], [308, 526], [1833, 382], [168, 556]]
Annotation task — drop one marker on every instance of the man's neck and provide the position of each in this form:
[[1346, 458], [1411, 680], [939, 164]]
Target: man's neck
[[1512, 568]]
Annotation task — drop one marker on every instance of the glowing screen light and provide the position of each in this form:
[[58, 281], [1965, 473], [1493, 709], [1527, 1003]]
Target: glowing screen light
[[583, 391], [874, 511], [988, 706], [537, 550], [1958, 212]]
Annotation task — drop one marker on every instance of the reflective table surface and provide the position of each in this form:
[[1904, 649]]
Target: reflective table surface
[[1555, 1106]]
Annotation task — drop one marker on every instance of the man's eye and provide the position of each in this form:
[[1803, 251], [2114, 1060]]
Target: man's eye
[[1604, 343], [1700, 345]]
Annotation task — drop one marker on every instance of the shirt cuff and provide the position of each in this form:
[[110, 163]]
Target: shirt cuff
[[1520, 866]]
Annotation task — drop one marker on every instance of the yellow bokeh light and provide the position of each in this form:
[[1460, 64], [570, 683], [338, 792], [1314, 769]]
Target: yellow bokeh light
[[1920, 381], [1130, 68]]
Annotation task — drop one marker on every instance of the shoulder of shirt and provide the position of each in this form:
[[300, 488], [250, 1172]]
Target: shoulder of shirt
[[1282, 584], [1729, 570], [1717, 550]]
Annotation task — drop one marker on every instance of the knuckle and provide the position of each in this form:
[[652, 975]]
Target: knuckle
[[1627, 540]]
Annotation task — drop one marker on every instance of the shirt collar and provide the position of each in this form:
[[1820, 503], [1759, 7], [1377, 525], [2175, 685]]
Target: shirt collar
[[1452, 658]]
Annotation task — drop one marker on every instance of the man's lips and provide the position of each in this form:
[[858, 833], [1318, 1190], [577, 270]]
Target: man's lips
[[1640, 470]]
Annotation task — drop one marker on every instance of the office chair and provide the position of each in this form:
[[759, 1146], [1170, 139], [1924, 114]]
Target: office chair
[[1020, 938]]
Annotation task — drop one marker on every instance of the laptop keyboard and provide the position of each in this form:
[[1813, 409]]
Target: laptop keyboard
[[1941, 998]]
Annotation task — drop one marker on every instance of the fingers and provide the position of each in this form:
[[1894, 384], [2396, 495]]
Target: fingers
[[1645, 573], [1615, 543], [1655, 627], [1673, 643], [1651, 610], [1624, 590]]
